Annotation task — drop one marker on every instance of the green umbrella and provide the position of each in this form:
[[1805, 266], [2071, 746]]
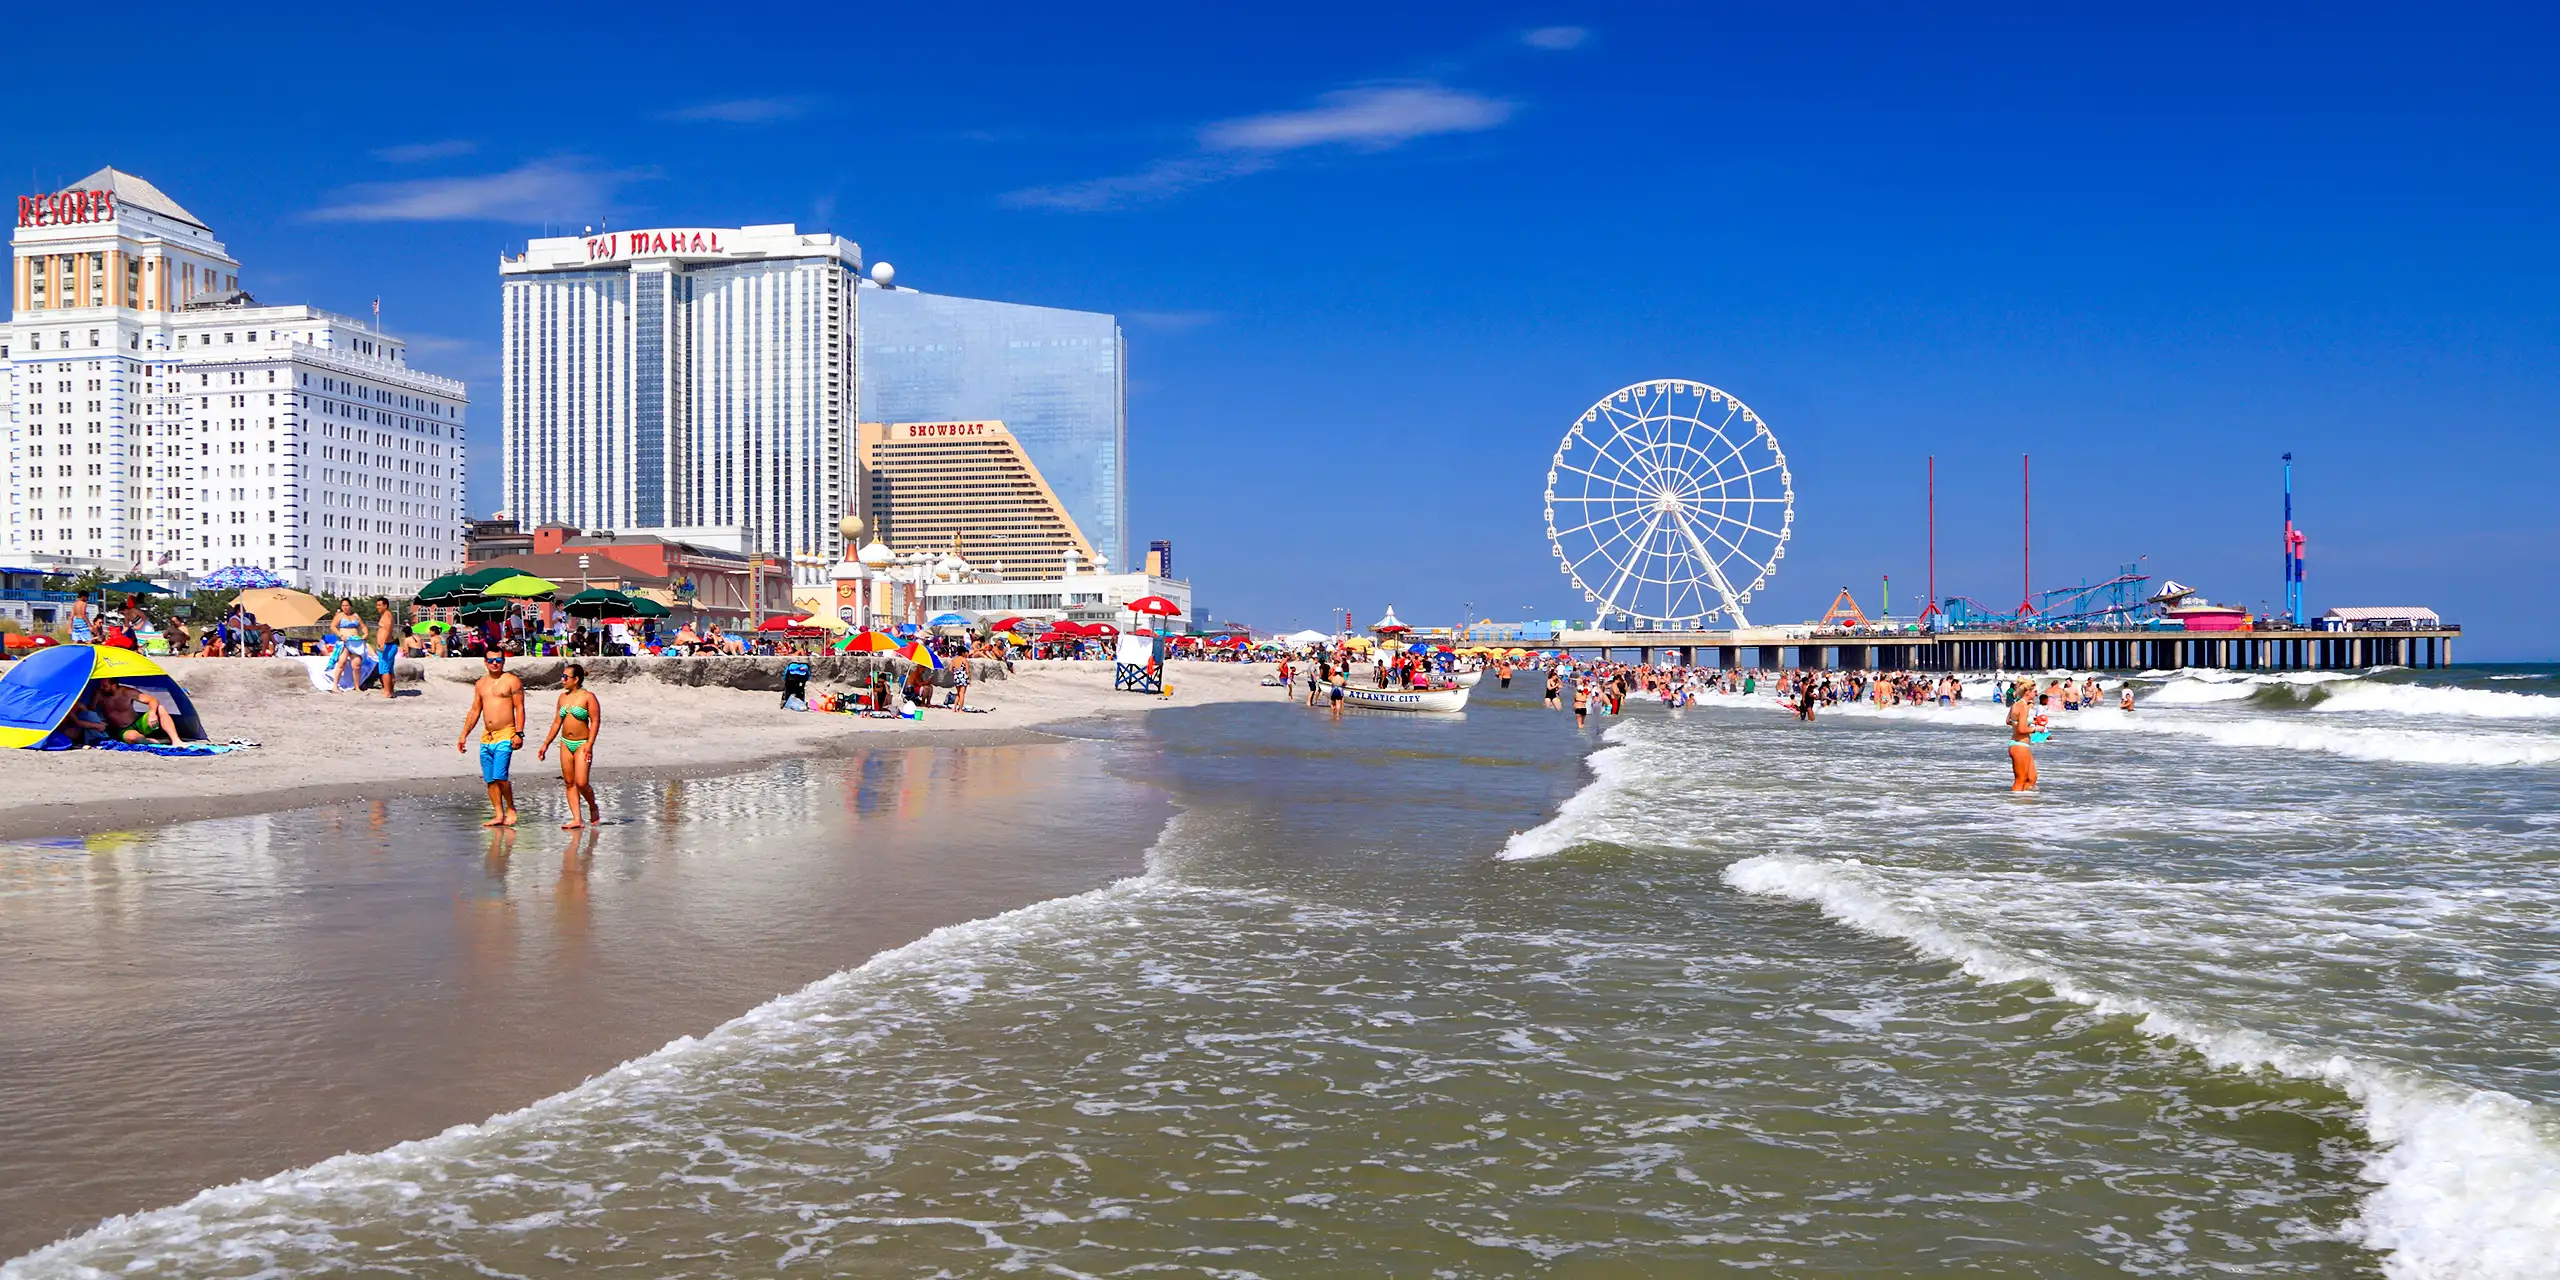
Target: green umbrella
[[135, 587], [521, 586], [598, 602], [461, 588], [644, 607], [479, 609], [428, 628]]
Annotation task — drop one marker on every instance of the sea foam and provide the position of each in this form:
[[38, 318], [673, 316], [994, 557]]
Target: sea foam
[[2468, 1180]]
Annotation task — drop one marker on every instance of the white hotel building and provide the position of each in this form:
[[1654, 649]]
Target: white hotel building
[[161, 419], [694, 383]]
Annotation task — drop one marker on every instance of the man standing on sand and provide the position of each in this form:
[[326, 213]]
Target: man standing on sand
[[497, 706], [2022, 727], [386, 643]]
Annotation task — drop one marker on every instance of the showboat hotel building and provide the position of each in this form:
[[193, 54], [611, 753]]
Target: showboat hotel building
[[163, 422]]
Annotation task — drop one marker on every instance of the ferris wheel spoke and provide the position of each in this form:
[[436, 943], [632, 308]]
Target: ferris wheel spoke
[[1630, 431], [1614, 516], [1609, 597], [1607, 480], [1728, 481], [1726, 519], [1715, 571], [1716, 432], [1599, 551]]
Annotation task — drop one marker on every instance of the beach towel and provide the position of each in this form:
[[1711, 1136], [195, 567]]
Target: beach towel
[[320, 665], [164, 749]]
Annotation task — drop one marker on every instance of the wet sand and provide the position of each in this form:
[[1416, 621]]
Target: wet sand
[[226, 999]]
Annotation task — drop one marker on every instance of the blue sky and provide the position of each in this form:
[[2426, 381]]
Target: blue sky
[[1374, 259]]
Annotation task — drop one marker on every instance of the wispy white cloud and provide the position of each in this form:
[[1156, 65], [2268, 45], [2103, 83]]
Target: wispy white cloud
[[419, 152], [1371, 118], [1555, 37], [539, 191], [742, 111], [1163, 178]]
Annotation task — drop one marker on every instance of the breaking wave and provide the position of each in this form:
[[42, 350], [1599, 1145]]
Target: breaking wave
[[2468, 1179]]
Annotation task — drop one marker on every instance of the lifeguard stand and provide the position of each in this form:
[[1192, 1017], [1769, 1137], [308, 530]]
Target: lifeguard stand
[[1138, 664]]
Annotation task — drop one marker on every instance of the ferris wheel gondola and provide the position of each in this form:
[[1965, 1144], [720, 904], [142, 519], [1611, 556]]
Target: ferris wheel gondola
[[1669, 501]]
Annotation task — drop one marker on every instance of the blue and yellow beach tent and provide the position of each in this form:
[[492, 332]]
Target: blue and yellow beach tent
[[39, 691]]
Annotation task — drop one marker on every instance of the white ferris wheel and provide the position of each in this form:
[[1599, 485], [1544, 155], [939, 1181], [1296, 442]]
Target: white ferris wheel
[[1669, 501]]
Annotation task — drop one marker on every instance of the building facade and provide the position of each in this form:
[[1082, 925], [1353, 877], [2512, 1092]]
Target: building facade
[[161, 418], [967, 488], [684, 379], [1057, 379]]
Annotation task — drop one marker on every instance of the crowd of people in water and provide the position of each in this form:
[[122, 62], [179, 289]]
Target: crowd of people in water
[[1605, 688]]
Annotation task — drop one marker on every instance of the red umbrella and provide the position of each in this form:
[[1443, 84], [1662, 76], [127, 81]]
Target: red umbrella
[[1007, 624], [1157, 605], [777, 623], [1063, 627], [1102, 629]]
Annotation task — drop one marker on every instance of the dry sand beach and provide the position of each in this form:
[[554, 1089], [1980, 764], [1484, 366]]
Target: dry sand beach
[[663, 715]]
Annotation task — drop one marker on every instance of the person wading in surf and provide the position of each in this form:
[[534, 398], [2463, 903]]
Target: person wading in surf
[[2022, 727]]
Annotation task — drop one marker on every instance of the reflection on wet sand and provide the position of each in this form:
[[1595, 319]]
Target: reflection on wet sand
[[226, 999]]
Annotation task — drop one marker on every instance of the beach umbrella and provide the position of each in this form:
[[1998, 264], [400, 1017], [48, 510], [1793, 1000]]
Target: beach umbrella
[[870, 642], [1156, 606], [1006, 624], [921, 654], [237, 576], [461, 588], [1101, 629], [948, 620], [134, 587], [598, 602], [478, 610], [429, 628], [40, 690], [640, 606], [284, 607], [519, 586], [777, 623], [821, 620]]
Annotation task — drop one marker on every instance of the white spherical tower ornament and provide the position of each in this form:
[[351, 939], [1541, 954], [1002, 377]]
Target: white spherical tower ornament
[[882, 273]]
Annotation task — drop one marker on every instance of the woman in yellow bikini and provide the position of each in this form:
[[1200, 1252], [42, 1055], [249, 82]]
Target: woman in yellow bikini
[[577, 720]]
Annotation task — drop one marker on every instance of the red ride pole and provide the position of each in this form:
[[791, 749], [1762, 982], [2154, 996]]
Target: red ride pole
[[2026, 540]]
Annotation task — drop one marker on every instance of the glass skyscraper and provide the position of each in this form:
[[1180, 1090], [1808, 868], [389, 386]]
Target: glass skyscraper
[[1058, 380]]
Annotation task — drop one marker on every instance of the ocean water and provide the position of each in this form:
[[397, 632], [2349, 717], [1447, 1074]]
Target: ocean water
[[2261, 984]]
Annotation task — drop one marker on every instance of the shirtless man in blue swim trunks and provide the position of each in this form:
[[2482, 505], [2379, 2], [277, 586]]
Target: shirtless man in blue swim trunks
[[497, 707]]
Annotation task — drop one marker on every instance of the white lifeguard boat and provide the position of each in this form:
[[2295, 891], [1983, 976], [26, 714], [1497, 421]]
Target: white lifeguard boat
[[1453, 699]]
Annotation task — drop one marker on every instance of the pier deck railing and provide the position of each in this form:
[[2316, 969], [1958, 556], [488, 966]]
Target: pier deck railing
[[2118, 649]]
